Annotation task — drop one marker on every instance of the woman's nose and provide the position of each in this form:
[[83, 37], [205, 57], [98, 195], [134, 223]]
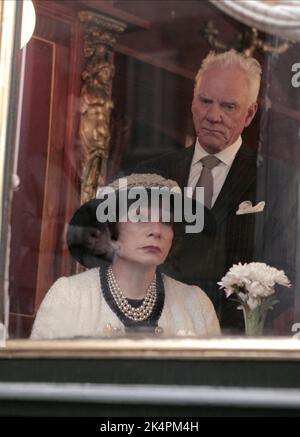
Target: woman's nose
[[155, 230]]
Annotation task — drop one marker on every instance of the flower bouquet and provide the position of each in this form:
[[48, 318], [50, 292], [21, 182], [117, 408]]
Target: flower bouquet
[[254, 286]]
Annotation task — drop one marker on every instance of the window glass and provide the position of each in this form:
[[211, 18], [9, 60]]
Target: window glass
[[107, 90]]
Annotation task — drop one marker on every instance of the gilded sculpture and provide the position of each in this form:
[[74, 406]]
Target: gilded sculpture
[[96, 103]]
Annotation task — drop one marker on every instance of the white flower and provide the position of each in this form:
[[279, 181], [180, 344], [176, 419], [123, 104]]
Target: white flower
[[243, 296], [252, 282], [256, 289], [252, 303]]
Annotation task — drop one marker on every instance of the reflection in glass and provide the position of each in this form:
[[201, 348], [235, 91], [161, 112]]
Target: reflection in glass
[[155, 60]]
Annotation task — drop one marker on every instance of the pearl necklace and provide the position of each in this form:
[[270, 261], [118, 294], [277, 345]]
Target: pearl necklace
[[132, 313]]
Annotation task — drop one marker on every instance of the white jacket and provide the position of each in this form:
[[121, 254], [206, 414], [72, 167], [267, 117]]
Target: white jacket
[[75, 307]]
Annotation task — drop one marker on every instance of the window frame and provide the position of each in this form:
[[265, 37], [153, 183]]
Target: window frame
[[189, 348]]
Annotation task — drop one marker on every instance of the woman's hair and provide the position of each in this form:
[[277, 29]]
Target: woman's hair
[[249, 65]]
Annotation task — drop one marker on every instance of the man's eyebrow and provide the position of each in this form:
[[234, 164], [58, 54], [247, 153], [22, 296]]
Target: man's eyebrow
[[229, 102], [203, 96], [222, 102]]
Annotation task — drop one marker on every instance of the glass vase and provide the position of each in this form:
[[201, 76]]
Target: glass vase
[[254, 320]]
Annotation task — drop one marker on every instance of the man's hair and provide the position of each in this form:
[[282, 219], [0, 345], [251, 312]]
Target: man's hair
[[250, 66]]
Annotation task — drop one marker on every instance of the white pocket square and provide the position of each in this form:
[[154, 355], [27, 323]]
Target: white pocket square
[[247, 207]]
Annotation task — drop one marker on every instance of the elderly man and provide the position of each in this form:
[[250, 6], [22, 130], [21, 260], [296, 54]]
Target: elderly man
[[224, 104]]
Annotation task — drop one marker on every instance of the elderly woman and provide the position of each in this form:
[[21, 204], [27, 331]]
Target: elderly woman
[[128, 292]]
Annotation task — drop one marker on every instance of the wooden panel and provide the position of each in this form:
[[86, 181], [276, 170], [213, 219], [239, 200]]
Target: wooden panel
[[28, 201], [49, 187], [53, 219]]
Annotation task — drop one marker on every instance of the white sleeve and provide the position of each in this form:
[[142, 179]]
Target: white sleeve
[[55, 315], [209, 314]]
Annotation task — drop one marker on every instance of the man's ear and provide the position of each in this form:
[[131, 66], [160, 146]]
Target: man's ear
[[251, 113]]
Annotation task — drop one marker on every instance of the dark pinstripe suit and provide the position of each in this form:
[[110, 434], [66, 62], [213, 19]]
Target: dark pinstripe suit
[[204, 258]]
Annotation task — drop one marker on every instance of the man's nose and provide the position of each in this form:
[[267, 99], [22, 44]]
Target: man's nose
[[214, 114]]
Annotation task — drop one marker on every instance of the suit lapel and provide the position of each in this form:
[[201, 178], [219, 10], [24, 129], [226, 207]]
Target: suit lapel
[[182, 166], [240, 177]]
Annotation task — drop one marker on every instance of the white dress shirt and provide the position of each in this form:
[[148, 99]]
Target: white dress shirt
[[220, 172]]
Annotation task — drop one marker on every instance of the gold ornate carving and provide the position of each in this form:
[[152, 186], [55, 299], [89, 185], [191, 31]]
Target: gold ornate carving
[[247, 41], [95, 106]]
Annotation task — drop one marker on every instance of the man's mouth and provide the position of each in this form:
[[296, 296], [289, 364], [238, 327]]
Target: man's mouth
[[213, 131]]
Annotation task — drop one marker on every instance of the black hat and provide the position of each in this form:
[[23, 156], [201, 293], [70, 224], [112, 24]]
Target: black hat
[[91, 237]]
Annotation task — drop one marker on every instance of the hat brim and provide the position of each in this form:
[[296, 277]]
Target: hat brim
[[82, 227]]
